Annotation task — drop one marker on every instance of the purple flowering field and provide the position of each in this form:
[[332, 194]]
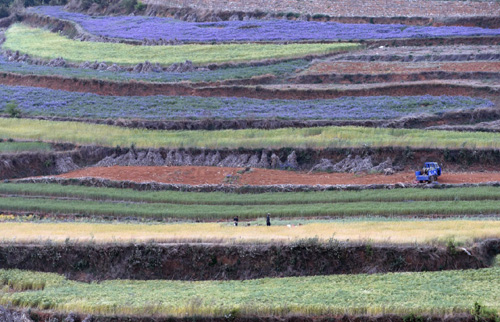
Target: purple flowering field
[[41, 101], [280, 69], [141, 27]]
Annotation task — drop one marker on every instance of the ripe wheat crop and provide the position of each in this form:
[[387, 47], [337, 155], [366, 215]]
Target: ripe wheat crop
[[377, 230]]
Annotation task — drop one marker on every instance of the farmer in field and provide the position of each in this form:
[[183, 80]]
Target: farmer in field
[[268, 219], [236, 220]]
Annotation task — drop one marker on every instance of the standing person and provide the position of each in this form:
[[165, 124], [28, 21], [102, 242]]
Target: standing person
[[268, 219], [235, 221]]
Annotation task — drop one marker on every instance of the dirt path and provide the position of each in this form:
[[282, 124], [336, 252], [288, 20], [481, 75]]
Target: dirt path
[[215, 175]]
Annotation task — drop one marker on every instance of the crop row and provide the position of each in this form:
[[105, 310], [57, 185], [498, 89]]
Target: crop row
[[41, 101], [430, 292], [280, 69], [44, 44], [165, 211], [156, 28], [319, 137], [378, 230], [275, 198]]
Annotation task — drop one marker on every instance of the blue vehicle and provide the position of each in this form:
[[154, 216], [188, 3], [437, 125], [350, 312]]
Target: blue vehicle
[[430, 172]]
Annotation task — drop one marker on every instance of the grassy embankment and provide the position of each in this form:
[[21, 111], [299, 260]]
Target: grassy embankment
[[319, 137], [403, 293], [44, 44], [14, 147]]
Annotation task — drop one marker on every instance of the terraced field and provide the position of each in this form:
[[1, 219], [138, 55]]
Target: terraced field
[[45, 102], [359, 294], [379, 68], [203, 75], [155, 28], [237, 161], [80, 205], [43, 44], [318, 137], [386, 64], [375, 230]]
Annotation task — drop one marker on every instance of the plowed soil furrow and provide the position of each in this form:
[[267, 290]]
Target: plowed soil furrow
[[216, 175]]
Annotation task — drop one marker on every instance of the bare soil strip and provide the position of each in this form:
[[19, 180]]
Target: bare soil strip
[[218, 175]]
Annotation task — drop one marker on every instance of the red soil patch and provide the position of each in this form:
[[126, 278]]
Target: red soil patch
[[350, 67], [215, 175]]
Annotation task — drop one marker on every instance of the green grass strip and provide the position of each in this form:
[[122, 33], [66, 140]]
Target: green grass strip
[[212, 212], [10, 147], [319, 137], [44, 44], [222, 198], [401, 293]]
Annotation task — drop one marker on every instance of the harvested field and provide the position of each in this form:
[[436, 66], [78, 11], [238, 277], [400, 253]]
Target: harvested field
[[354, 72], [357, 230], [425, 62], [216, 175], [350, 67], [425, 53], [367, 8]]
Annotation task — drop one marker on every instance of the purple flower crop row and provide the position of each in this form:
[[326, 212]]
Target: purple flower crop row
[[40, 101], [155, 28], [280, 69]]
